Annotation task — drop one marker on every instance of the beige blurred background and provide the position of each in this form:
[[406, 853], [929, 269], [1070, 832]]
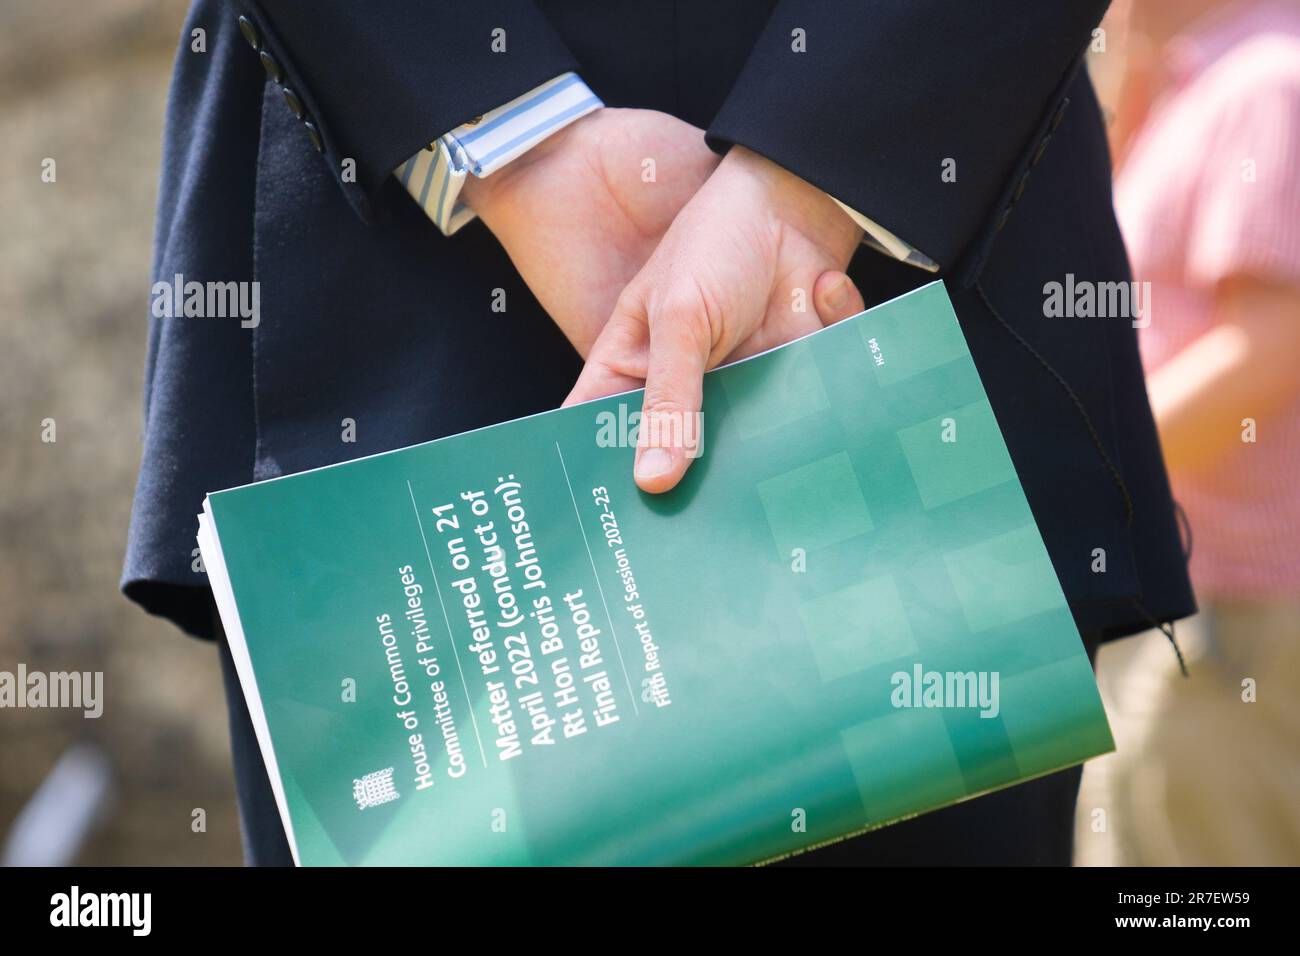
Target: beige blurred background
[[85, 83]]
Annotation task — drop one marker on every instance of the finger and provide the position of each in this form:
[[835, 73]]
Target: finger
[[836, 297], [617, 360], [599, 380], [669, 435]]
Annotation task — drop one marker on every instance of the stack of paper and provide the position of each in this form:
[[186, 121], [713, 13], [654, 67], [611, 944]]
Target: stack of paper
[[493, 648]]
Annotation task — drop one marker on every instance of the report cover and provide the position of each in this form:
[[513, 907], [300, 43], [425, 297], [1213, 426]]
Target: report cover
[[494, 649]]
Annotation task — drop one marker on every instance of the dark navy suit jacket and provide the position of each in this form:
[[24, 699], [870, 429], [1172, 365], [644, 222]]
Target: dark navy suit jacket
[[368, 313]]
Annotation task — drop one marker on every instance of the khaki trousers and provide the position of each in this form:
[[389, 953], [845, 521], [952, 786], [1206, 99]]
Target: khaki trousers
[[1207, 768]]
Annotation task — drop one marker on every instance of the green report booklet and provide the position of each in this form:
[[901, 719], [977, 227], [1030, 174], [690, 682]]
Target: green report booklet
[[494, 649]]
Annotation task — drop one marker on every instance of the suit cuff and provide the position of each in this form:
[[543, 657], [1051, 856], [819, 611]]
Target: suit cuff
[[434, 176]]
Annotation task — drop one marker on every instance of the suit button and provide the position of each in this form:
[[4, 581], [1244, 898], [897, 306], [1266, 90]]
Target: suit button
[[272, 68], [1020, 189], [250, 32], [292, 101], [1060, 113], [313, 134], [1042, 148]]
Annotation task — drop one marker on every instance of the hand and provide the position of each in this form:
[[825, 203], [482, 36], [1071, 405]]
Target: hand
[[724, 283], [576, 217]]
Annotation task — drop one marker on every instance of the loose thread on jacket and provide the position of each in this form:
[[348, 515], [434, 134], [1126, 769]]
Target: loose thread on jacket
[[1166, 628], [1074, 398]]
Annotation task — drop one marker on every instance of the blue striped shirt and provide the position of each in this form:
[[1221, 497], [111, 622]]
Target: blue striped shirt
[[480, 147]]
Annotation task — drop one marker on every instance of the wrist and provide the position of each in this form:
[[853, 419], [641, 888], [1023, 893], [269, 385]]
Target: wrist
[[797, 202], [483, 194]]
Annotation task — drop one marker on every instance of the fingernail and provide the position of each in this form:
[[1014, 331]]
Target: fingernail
[[653, 462], [837, 296]]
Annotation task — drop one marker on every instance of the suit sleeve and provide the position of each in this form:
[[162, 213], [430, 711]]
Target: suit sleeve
[[376, 81], [925, 115]]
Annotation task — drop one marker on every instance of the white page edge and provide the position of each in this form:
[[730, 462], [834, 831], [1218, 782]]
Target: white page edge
[[215, 563]]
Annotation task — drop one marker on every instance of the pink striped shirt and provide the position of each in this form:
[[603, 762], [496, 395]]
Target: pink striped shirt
[[1211, 189]]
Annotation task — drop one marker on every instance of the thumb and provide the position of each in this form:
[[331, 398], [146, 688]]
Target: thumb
[[836, 297], [670, 432]]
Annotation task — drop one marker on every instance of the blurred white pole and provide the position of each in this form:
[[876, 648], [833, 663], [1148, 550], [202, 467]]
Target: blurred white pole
[[54, 825]]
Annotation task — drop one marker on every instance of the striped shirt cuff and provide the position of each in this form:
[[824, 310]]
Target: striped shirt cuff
[[434, 175]]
